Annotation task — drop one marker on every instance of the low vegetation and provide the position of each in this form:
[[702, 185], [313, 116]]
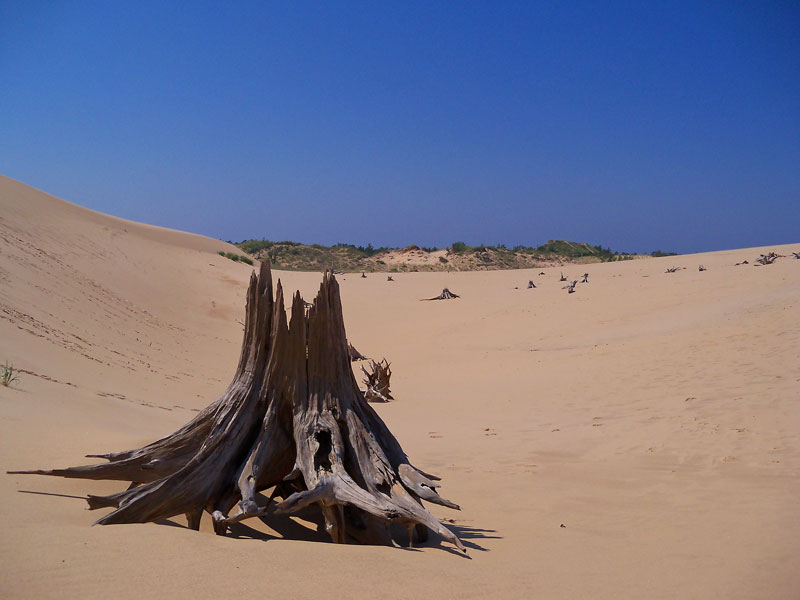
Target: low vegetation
[[236, 257], [8, 375], [458, 257]]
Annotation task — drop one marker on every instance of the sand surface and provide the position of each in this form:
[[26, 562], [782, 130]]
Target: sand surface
[[655, 416]]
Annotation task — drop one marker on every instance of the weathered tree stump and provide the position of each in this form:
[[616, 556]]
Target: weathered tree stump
[[571, 286], [445, 295], [796, 255], [585, 278], [389, 278], [531, 285], [562, 277], [701, 268], [377, 381], [363, 275], [292, 419]]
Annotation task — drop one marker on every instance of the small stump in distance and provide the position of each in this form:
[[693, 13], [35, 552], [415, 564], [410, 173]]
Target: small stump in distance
[[445, 295], [377, 381], [355, 355]]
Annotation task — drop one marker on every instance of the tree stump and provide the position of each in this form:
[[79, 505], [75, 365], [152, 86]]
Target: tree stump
[[701, 268], [531, 285], [570, 287], [354, 354], [445, 295], [562, 277], [294, 419], [389, 278], [377, 381], [585, 278], [767, 259]]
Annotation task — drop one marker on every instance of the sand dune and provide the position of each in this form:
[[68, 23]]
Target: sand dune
[[655, 416]]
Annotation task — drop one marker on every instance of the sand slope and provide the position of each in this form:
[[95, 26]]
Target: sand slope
[[656, 416]]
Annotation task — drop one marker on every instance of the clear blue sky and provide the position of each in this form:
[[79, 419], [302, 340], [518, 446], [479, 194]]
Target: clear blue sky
[[635, 125]]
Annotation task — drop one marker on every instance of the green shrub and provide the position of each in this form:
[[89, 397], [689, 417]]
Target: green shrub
[[7, 375], [235, 257]]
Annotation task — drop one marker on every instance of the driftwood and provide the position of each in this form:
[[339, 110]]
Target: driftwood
[[571, 286], [673, 269], [701, 268], [541, 273], [389, 278], [292, 419], [796, 255], [377, 381], [354, 354], [445, 295], [562, 277], [585, 278], [744, 262], [531, 284]]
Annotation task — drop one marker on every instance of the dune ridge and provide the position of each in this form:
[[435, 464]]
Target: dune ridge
[[639, 438]]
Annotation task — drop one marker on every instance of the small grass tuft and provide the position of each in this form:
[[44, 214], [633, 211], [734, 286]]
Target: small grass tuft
[[7, 375]]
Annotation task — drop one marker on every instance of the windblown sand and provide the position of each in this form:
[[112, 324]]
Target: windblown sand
[[637, 439]]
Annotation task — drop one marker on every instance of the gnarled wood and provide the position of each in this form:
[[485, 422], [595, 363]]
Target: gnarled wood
[[292, 419], [531, 285]]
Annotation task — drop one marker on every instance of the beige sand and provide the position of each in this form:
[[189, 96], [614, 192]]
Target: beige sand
[[656, 416]]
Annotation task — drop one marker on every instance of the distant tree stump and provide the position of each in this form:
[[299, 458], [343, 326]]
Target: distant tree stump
[[445, 295], [354, 354], [531, 285], [292, 419], [562, 277], [377, 381], [701, 268], [389, 278], [767, 259], [570, 287], [585, 278], [363, 275]]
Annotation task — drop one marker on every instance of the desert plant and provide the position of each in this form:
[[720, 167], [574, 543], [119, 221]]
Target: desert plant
[[7, 375]]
